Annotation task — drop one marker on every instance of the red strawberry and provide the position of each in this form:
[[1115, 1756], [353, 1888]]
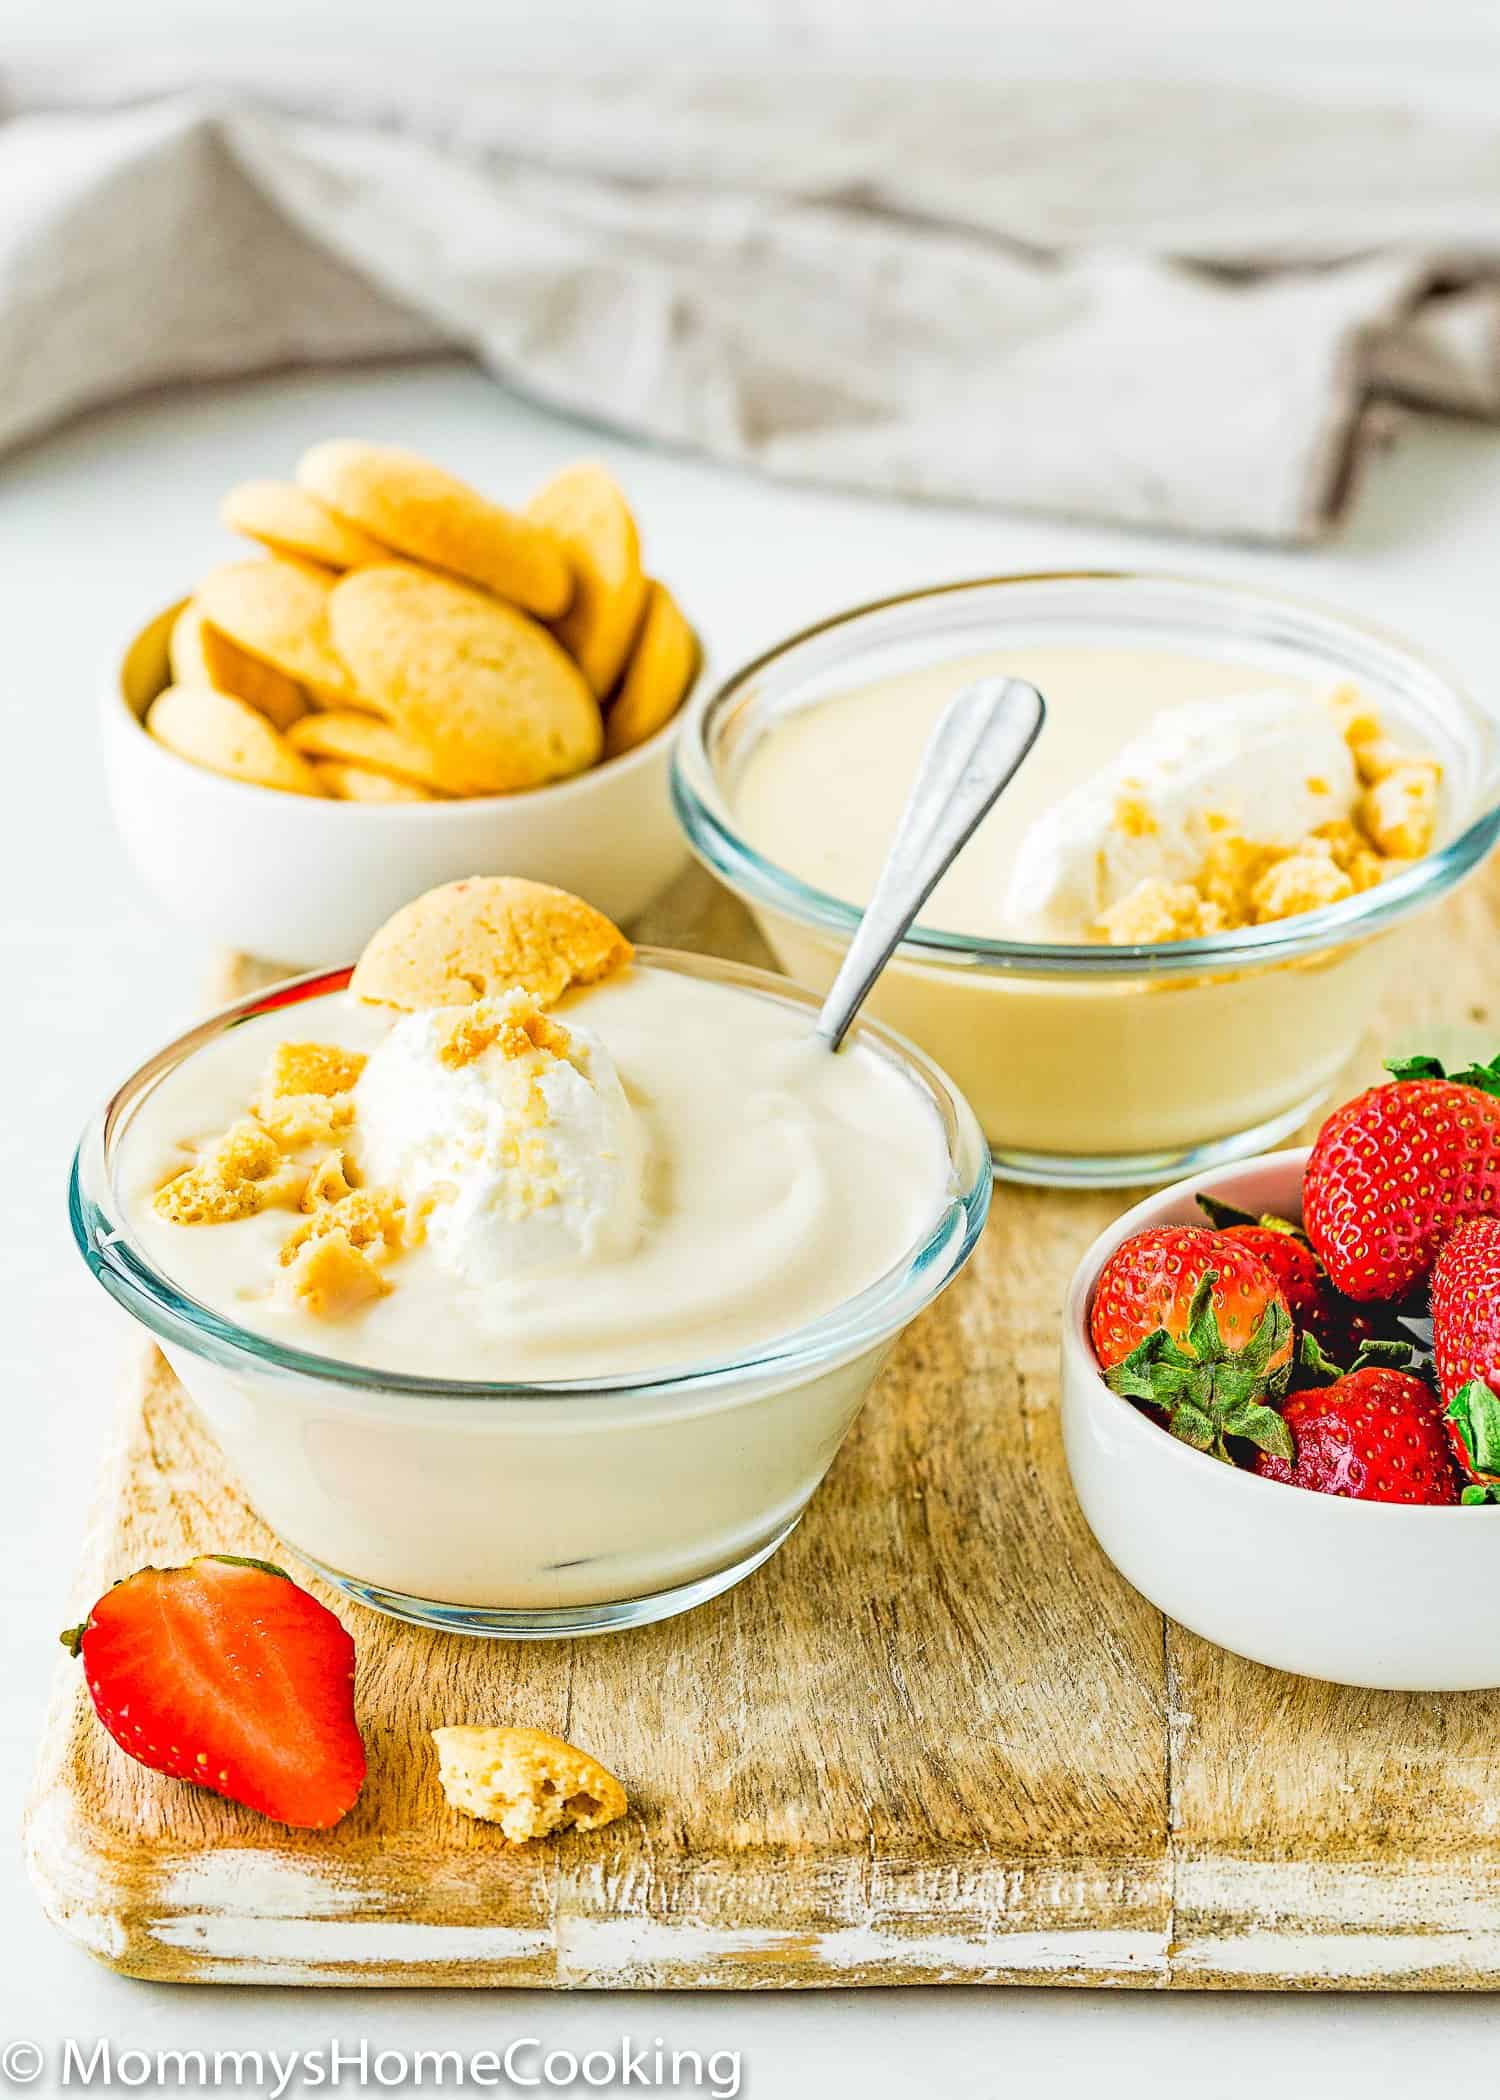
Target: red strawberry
[[1466, 1350], [1149, 1282], [227, 1674], [1374, 1436], [1283, 1249], [1340, 1327], [1395, 1169], [1194, 1325]]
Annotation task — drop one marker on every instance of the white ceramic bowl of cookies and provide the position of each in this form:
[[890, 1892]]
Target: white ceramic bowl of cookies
[[307, 881], [1363, 1593]]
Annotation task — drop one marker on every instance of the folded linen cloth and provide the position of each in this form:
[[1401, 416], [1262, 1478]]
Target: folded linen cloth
[[1178, 306]]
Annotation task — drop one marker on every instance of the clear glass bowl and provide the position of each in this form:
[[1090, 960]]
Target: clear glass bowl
[[1097, 1065], [529, 1510]]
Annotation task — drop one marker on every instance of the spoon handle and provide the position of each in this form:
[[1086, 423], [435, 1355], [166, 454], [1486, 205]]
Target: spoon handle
[[984, 733]]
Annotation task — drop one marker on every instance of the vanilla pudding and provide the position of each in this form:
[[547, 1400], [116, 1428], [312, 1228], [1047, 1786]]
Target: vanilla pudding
[[1147, 762], [757, 1183], [542, 1313], [1155, 951]]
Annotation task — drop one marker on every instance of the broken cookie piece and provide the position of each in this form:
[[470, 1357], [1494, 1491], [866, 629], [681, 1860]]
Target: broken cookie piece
[[332, 1259], [294, 1120], [306, 1094], [311, 1068], [329, 1277], [235, 1176], [527, 1781], [329, 1182]]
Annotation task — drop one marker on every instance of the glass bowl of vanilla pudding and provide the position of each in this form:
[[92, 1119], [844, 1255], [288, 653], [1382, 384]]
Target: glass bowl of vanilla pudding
[[1167, 937], [540, 1314]]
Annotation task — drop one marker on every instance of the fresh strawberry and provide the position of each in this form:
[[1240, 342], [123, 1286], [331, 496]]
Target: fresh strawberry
[[1194, 1325], [1466, 1350], [227, 1674], [1395, 1169], [1285, 1251], [1374, 1435], [1340, 1327]]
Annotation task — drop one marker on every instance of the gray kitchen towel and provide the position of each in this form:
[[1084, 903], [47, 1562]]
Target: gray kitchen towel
[[1174, 305]]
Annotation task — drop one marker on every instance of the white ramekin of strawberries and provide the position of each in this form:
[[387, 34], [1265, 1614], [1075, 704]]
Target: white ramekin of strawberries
[[1281, 1392]]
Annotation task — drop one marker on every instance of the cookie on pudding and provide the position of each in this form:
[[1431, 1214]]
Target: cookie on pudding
[[277, 611], [661, 668], [415, 508], [228, 736], [528, 1782], [482, 687], [287, 519], [200, 655], [488, 935]]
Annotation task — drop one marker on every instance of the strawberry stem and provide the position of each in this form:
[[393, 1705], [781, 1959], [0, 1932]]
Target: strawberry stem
[[1207, 1392], [1316, 1367]]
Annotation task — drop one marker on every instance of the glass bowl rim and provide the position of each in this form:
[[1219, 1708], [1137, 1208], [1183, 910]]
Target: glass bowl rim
[[881, 1309], [760, 881]]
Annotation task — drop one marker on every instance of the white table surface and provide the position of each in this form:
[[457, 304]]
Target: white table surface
[[117, 515]]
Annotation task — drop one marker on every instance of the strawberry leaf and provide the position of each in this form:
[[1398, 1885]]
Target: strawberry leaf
[[1474, 1495], [1191, 1426], [1263, 1427], [1377, 1354], [1416, 1067], [1133, 1377], [1272, 1332], [1485, 1077], [1204, 1338], [1314, 1365], [1213, 1392], [1474, 1412]]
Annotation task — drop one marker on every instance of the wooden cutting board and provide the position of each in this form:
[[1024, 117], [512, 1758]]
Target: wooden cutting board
[[936, 1739]]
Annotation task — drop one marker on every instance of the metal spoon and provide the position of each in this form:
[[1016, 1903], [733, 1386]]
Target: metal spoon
[[984, 733]]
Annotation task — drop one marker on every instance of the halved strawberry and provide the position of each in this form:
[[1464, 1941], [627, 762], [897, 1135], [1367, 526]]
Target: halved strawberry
[[1194, 1326], [1466, 1350], [226, 1674], [1396, 1169]]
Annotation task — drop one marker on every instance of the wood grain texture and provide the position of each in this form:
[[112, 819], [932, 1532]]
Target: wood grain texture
[[935, 1739]]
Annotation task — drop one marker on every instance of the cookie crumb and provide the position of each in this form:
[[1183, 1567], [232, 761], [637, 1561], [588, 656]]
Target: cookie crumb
[[528, 1782]]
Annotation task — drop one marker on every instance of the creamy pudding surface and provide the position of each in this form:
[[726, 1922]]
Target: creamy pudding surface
[[1169, 796], [666, 1171]]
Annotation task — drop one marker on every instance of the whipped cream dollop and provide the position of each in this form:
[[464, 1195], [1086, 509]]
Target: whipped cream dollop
[[1272, 766], [509, 1136]]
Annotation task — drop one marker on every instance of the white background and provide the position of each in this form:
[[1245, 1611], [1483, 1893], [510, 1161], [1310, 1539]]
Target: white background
[[116, 515]]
